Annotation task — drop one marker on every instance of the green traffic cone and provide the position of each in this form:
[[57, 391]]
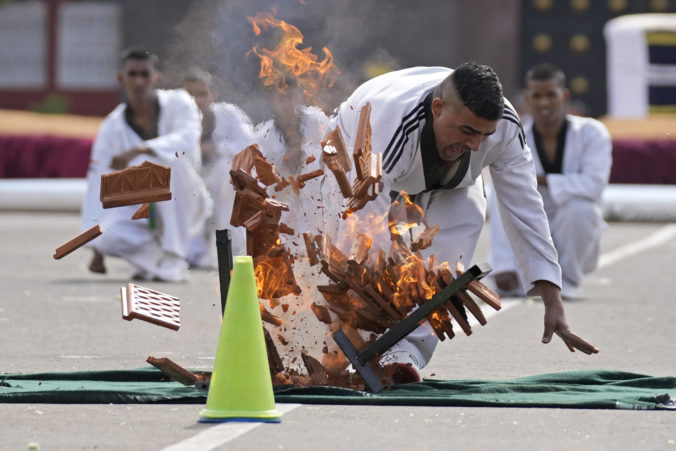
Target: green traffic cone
[[241, 387]]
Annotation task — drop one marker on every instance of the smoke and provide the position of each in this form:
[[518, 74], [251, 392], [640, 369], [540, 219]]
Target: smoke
[[217, 37]]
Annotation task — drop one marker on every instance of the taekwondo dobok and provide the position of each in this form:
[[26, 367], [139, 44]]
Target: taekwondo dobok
[[401, 121], [572, 200], [154, 253]]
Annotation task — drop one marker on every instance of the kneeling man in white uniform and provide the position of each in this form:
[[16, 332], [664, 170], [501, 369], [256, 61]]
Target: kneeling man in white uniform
[[572, 156], [163, 127]]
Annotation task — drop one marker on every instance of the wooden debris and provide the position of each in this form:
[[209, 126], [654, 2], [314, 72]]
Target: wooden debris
[[425, 239], [269, 317], [142, 212], [282, 184], [366, 292], [311, 248], [472, 306], [459, 317], [267, 172], [360, 249], [302, 178], [274, 360], [173, 370], [285, 229], [254, 221], [295, 184], [242, 180], [246, 159], [315, 370], [338, 150], [271, 205], [77, 242], [247, 204], [147, 182], [362, 142], [484, 293], [321, 313], [366, 187], [336, 158], [151, 306]]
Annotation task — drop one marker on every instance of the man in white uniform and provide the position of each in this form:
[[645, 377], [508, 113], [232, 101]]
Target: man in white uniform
[[573, 156], [437, 129], [226, 131], [161, 126]]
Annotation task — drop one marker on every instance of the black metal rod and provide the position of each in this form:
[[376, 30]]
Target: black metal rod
[[224, 254], [351, 352], [406, 326]]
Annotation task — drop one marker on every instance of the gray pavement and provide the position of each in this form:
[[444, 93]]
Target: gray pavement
[[55, 316]]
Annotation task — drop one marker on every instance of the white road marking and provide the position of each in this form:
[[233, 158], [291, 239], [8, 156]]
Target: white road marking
[[81, 356], [86, 299], [222, 433], [661, 236]]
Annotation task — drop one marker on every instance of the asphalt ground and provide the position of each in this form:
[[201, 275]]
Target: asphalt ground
[[55, 316]]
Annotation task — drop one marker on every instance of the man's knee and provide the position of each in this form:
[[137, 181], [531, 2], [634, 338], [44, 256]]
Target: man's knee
[[579, 213]]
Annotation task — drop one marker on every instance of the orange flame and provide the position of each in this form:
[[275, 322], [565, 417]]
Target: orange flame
[[411, 284], [274, 278], [403, 216], [287, 60]]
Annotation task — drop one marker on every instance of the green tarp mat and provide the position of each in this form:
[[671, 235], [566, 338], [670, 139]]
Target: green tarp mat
[[598, 389]]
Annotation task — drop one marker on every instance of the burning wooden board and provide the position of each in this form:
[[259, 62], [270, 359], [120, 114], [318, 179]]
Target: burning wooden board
[[370, 289]]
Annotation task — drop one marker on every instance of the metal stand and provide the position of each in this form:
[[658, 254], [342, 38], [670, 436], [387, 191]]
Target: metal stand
[[224, 254], [360, 359]]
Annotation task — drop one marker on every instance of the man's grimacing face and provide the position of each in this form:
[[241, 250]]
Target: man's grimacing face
[[138, 78], [457, 129]]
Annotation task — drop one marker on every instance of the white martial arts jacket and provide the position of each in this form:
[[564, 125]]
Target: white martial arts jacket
[[587, 159], [176, 145], [398, 118], [584, 173]]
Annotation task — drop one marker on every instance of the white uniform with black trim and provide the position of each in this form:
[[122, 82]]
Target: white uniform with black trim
[[161, 252], [398, 118], [572, 202]]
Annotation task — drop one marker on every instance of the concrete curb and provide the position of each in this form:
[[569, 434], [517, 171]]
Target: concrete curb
[[649, 203], [42, 194], [646, 203]]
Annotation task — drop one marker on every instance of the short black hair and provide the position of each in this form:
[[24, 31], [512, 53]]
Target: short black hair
[[138, 53], [545, 72], [479, 89]]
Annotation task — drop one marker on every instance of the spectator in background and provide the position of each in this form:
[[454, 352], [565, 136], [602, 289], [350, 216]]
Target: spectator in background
[[161, 126], [226, 131], [572, 156]]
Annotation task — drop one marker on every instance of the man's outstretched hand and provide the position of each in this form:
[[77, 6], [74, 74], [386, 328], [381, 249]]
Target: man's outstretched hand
[[556, 324], [555, 320]]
